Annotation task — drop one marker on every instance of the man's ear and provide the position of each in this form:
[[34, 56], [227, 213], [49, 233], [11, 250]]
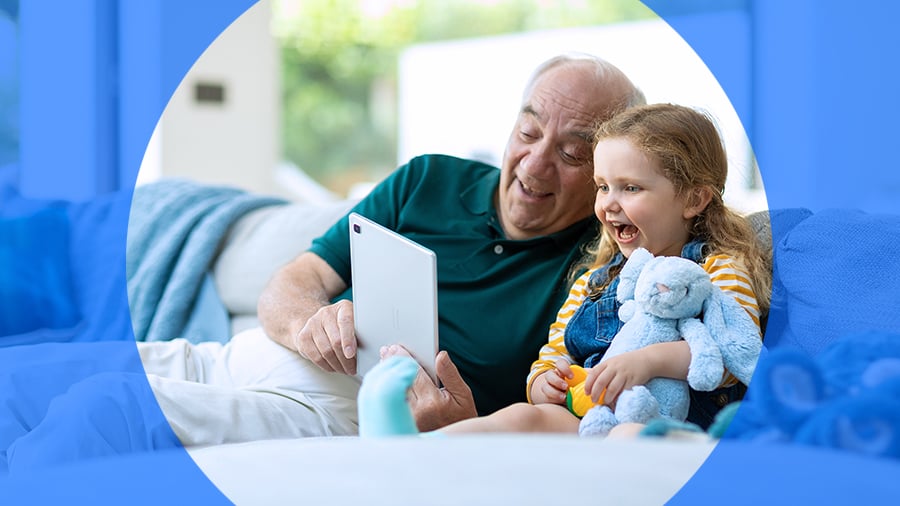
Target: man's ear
[[696, 201]]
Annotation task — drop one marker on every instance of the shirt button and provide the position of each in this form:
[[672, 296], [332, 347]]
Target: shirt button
[[498, 249]]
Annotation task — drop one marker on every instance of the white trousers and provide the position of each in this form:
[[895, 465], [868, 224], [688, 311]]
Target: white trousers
[[246, 390]]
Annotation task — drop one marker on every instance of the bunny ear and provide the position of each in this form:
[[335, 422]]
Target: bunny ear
[[630, 272], [734, 332]]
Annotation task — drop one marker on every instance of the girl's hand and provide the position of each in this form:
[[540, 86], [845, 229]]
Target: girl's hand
[[616, 375], [550, 387]]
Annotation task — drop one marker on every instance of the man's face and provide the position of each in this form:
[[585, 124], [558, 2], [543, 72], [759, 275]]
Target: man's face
[[546, 175]]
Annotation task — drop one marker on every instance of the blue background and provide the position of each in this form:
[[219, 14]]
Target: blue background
[[820, 105]]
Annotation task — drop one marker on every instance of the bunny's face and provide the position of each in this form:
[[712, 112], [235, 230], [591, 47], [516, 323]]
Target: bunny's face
[[672, 287]]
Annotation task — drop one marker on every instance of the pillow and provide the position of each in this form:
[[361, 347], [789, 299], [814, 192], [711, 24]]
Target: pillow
[[35, 279], [263, 241], [98, 229], [771, 226], [836, 273]]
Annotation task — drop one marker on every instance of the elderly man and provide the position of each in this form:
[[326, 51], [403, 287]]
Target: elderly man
[[504, 241]]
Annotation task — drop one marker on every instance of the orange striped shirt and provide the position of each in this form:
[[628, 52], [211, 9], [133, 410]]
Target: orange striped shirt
[[723, 271]]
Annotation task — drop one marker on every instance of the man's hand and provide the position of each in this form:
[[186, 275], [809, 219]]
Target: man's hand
[[328, 339], [434, 407]]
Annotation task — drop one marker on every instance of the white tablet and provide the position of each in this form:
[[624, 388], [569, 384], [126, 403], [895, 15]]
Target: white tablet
[[394, 282]]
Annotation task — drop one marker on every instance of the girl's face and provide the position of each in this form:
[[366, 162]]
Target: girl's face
[[636, 203]]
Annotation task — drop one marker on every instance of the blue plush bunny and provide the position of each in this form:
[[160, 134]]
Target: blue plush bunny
[[846, 397], [663, 299]]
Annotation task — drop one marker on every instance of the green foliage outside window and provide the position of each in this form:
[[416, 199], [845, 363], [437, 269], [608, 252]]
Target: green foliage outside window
[[339, 67]]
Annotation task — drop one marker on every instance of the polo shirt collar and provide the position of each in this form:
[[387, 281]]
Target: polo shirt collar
[[478, 198]]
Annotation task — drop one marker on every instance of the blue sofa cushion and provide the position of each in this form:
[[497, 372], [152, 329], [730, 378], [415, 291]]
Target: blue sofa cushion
[[836, 272], [35, 279]]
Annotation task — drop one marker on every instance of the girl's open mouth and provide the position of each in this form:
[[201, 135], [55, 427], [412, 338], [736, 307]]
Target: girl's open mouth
[[626, 233]]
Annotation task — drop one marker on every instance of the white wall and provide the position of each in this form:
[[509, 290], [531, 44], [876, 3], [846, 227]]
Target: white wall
[[237, 142]]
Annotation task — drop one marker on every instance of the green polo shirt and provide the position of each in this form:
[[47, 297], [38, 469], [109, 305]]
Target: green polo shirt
[[496, 297]]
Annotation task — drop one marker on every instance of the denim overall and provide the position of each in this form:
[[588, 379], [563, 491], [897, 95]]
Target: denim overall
[[595, 323]]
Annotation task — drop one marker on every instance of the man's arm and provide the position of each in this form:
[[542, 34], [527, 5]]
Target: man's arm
[[295, 310]]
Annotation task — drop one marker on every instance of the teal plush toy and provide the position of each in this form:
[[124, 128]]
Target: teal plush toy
[[662, 299], [846, 397], [382, 407]]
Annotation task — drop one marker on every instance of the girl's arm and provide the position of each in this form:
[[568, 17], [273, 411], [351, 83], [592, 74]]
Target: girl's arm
[[671, 360], [667, 360], [731, 278], [619, 373], [555, 348], [727, 274]]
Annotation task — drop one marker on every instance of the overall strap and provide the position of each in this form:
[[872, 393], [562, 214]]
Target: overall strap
[[694, 250]]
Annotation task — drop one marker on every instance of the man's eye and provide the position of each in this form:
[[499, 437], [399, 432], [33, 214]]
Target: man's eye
[[527, 135], [575, 160]]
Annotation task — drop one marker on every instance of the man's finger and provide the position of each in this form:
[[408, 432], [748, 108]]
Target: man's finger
[[453, 383], [345, 328], [422, 386], [334, 353], [326, 359]]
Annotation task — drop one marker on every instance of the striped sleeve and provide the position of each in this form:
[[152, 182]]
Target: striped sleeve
[[555, 347], [726, 274], [730, 278]]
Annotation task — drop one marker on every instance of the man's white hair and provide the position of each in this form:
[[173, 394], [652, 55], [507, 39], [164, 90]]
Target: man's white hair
[[606, 73]]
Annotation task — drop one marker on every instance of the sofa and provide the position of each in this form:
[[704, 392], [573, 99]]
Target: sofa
[[811, 259], [822, 290], [279, 472]]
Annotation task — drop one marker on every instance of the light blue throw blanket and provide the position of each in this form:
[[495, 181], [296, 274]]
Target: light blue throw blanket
[[174, 233]]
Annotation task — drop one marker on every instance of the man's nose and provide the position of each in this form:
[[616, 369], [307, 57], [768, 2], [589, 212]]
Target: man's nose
[[539, 162]]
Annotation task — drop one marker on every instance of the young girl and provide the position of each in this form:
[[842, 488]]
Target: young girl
[[660, 173]]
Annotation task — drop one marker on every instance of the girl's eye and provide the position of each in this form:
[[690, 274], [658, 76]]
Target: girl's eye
[[632, 188], [602, 188]]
